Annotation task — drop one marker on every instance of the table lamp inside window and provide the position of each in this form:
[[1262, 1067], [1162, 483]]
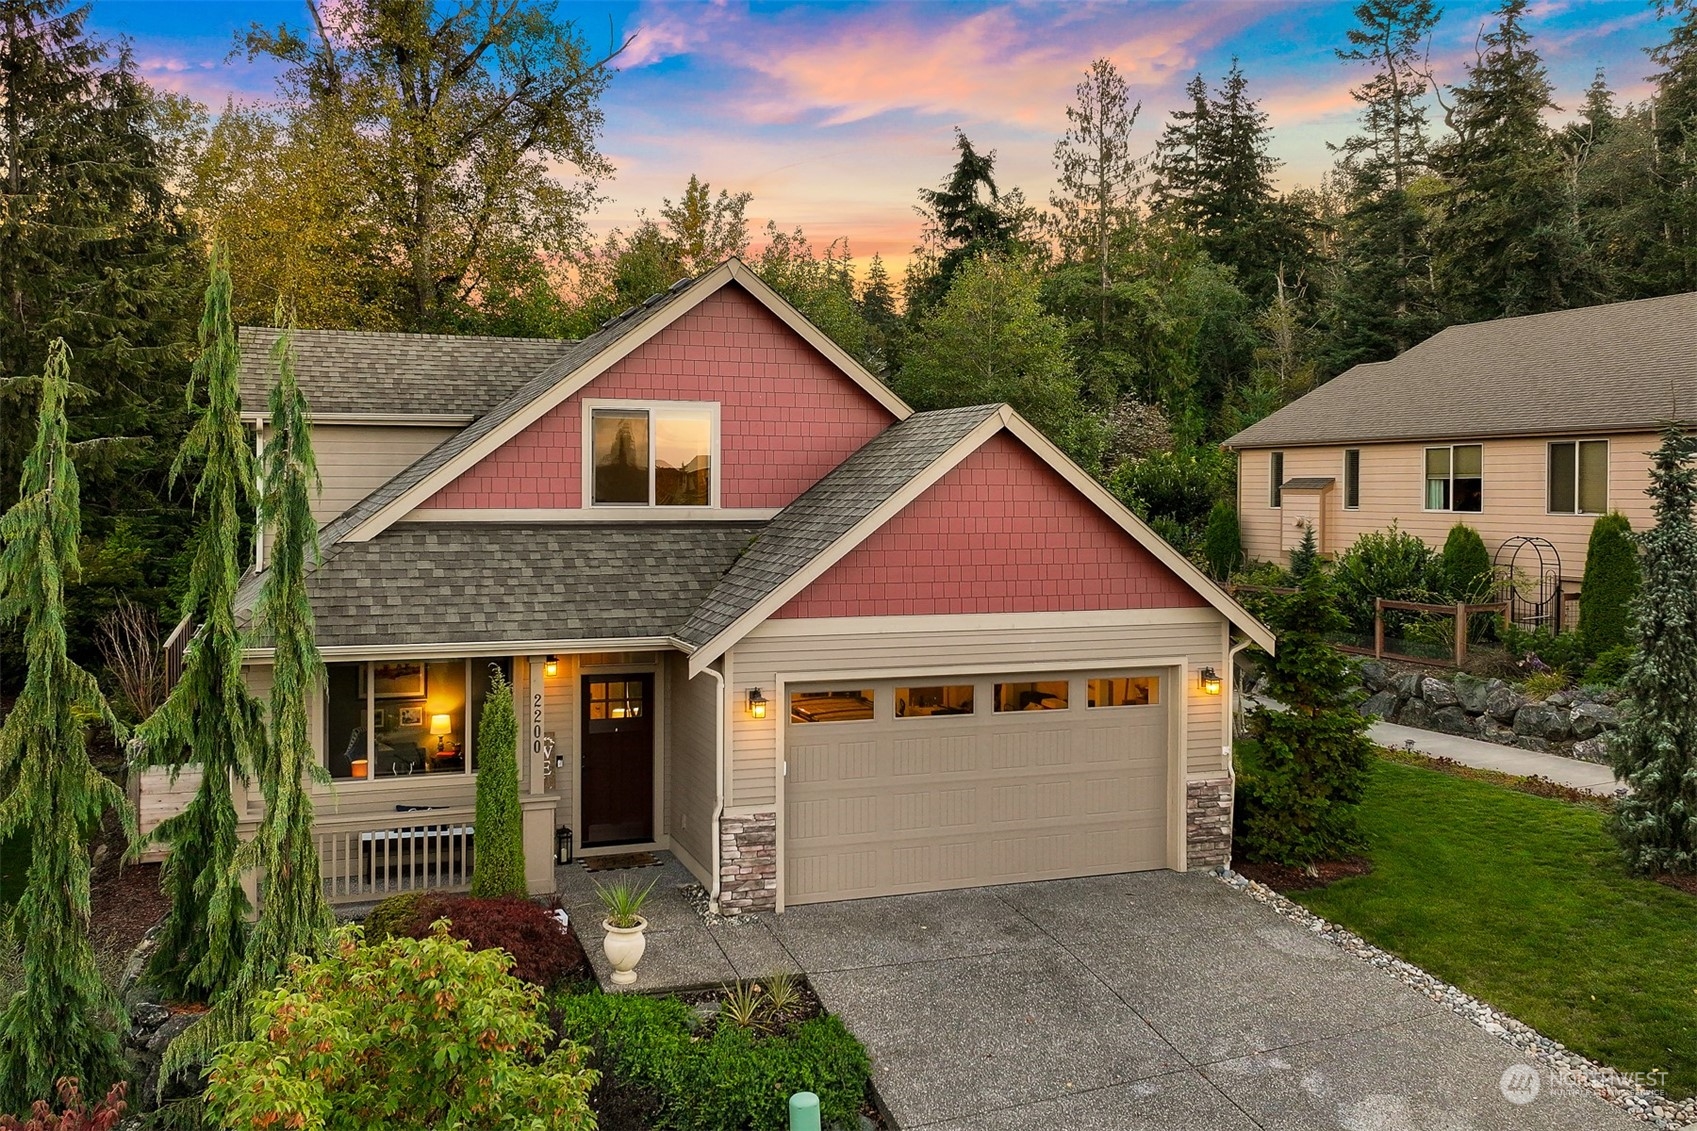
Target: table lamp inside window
[[441, 725]]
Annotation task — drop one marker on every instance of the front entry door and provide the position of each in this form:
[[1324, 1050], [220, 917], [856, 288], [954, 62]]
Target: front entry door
[[618, 759]]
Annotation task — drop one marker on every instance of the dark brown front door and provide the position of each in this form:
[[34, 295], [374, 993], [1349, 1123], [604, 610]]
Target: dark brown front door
[[618, 759]]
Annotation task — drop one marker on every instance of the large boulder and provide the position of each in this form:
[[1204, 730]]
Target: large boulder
[[1375, 676], [1472, 692], [1407, 685], [1416, 713], [1503, 702], [1593, 750], [1591, 719], [1381, 704], [1492, 731], [1560, 699], [1542, 721], [1452, 720], [1438, 692], [1532, 742]]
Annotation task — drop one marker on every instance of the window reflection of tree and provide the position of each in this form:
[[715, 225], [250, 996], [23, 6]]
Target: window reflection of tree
[[621, 468]]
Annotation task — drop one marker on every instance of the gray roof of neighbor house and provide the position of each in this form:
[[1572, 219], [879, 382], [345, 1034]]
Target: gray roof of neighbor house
[[1623, 367], [348, 371], [828, 510], [420, 584]]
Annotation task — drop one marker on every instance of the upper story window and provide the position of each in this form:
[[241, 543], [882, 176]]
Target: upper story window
[[654, 455], [1579, 477], [1352, 478], [1276, 480], [1455, 478]]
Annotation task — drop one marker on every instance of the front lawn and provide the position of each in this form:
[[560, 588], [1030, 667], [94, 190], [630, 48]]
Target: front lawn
[[1522, 901]]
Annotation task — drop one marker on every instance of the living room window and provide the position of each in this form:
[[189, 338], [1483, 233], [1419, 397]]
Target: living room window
[[1455, 479], [654, 455], [1579, 477], [389, 720]]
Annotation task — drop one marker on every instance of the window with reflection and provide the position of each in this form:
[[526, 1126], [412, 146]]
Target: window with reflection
[[931, 702], [660, 455], [832, 706], [1039, 696], [1125, 691], [390, 720]]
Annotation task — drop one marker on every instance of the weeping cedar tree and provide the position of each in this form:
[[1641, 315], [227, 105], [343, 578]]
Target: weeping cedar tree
[[1655, 750], [1610, 584], [293, 915], [62, 1023], [1222, 544], [1305, 771], [500, 828], [210, 719]]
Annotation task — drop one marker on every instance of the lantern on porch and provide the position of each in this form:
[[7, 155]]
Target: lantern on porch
[[1209, 680], [562, 845]]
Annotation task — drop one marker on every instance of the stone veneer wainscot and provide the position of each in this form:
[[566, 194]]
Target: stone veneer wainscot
[[748, 863], [1208, 823]]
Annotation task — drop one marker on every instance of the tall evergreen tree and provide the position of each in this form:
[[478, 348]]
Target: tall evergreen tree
[[1507, 243], [93, 250], [210, 720], [65, 1020], [1181, 154], [294, 917], [1655, 750], [965, 217], [1675, 138]]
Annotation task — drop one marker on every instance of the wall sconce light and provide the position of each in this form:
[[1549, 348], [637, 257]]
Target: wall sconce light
[[756, 704], [1209, 680], [551, 666]]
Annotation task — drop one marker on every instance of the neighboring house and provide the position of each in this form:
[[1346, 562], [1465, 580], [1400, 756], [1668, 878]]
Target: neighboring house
[[758, 612], [1523, 427]]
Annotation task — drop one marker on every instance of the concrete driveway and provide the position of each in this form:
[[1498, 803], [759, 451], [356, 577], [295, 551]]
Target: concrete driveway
[[1148, 1001]]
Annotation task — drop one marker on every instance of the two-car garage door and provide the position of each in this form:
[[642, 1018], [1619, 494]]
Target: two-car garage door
[[920, 785]]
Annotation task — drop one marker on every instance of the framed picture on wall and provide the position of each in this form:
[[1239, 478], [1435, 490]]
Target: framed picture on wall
[[377, 721], [412, 717], [398, 679]]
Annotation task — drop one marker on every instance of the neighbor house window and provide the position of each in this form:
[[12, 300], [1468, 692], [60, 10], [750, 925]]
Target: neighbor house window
[[659, 455], [1455, 478], [1125, 691], [1579, 477], [1352, 478], [836, 705], [1048, 696], [1276, 480], [396, 719], [927, 702]]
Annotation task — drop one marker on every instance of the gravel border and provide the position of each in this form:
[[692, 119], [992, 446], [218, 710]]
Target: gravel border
[[1569, 1068]]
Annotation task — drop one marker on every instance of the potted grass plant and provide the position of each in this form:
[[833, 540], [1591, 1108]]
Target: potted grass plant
[[624, 925]]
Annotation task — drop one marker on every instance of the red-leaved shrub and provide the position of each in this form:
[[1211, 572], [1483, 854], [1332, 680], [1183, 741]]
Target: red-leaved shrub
[[76, 1116], [542, 952]]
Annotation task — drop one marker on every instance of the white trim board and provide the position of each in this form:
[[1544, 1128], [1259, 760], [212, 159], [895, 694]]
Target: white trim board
[[731, 270], [454, 650], [596, 514], [980, 622]]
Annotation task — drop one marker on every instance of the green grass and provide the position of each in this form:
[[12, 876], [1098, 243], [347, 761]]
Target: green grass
[[1522, 901]]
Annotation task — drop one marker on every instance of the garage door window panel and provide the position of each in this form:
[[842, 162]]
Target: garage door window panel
[[1035, 696], [831, 706], [936, 701], [1125, 691]]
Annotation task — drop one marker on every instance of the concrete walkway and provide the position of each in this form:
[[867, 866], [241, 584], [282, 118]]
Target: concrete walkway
[[1587, 776], [1145, 1002]]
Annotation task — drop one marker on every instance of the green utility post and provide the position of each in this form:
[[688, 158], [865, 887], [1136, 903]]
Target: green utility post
[[804, 1112]]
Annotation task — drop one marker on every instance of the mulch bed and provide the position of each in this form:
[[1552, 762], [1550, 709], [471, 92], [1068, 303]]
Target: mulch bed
[[1686, 884], [1284, 879], [126, 902], [620, 861]]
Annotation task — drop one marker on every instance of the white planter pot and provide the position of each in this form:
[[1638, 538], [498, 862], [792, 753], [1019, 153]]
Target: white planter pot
[[623, 947]]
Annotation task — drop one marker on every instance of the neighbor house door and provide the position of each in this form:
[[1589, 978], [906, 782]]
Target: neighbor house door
[[618, 759]]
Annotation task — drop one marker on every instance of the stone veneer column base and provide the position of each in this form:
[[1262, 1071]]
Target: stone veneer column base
[[748, 863], [1208, 823]]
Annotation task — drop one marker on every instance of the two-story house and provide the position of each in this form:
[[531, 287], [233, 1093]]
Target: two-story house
[[758, 613]]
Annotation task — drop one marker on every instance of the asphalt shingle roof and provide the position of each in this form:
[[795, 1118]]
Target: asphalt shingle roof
[[1625, 366], [469, 583], [409, 374], [828, 510]]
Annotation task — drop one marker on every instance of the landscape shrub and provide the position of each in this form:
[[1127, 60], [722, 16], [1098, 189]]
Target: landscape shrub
[[407, 1033], [1222, 543], [1542, 685], [1610, 583], [732, 1079], [542, 952], [1388, 564], [1540, 650], [1465, 566], [1610, 667], [1181, 486], [499, 867], [74, 1113]]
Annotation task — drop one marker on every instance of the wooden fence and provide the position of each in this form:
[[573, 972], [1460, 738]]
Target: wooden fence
[[1462, 611]]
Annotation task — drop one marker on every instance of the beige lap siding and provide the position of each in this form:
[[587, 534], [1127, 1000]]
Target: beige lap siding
[[692, 756], [1393, 488], [356, 459], [819, 649]]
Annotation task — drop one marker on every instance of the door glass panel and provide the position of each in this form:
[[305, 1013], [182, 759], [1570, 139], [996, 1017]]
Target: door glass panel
[[832, 706], [1125, 691], [929, 702], [683, 459], [621, 456], [1048, 696]]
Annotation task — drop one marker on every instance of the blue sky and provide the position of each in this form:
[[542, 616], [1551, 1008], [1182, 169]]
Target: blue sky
[[833, 114]]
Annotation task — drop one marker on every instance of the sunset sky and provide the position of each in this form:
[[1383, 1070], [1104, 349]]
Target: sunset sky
[[833, 114]]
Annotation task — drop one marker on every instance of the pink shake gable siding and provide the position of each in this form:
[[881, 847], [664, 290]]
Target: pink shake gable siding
[[787, 416], [1000, 533]]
